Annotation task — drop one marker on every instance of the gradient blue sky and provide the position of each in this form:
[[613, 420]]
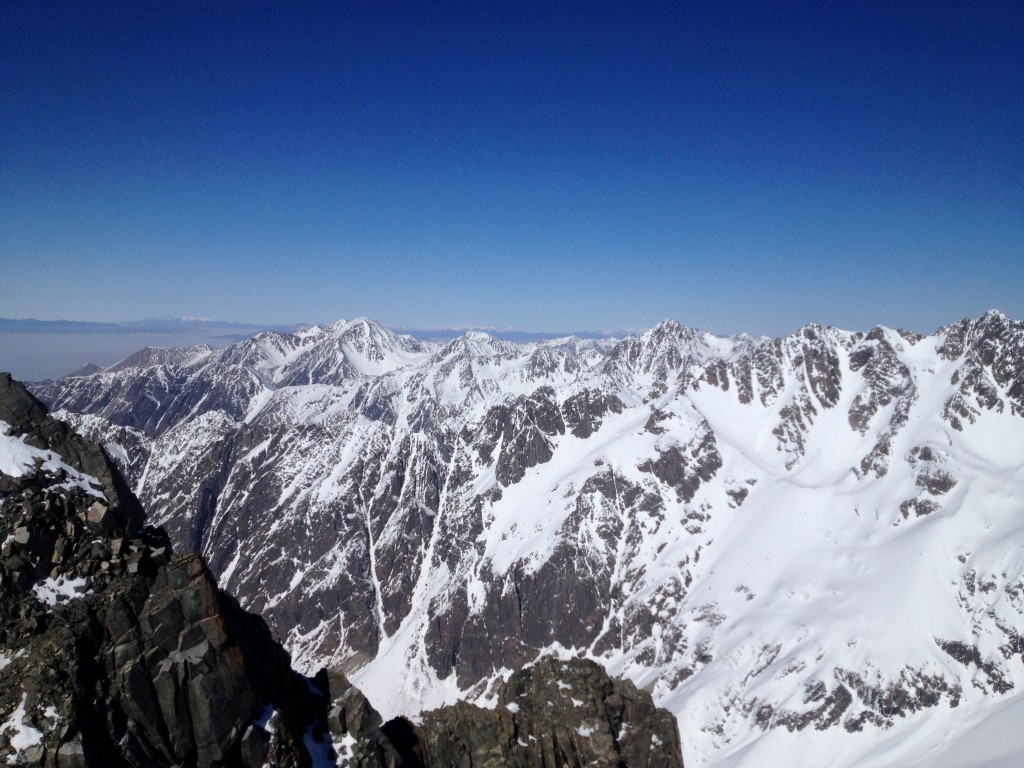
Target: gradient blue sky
[[543, 166]]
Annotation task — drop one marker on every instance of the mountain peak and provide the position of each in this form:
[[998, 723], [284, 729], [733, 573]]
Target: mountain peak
[[668, 324], [480, 344], [362, 322], [994, 315], [86, 369]]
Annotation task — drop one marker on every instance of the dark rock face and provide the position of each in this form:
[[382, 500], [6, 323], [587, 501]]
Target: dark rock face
[[969, 656], [821, 366], [585, 411], [932, 476], [193, 671], [118, 653], [554, 713], [522, 429], [524, 611], [992, 372], [684, 470], [888, 381], [874, 704]]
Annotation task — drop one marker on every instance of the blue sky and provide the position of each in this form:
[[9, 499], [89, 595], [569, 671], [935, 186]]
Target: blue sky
[[542, 166]]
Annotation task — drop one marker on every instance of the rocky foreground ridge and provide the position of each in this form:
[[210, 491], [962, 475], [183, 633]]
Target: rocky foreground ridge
[[115, 652]]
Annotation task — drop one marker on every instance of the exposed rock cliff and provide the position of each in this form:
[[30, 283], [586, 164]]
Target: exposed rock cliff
[[554, 713]]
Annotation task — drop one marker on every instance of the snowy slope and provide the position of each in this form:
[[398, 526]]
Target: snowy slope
[[18, 458], [807, 547]]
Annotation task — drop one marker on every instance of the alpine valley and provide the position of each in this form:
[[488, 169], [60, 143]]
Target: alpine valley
[[810, 549]]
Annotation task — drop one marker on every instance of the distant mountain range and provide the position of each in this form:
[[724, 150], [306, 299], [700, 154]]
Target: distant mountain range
[[45, 349], [206, 325], [809, 548]]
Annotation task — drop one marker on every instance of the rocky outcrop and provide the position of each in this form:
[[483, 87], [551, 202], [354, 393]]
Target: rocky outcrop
[[26, 416], [554, 713], [585, 411], [684, 470], [115, 652], [566, 713]]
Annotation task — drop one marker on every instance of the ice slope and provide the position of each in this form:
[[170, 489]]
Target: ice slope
[[808, 547]]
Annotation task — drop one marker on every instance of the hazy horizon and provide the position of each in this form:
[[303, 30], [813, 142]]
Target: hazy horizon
[[33, 350]]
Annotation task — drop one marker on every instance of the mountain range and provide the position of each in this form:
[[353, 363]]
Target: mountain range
[[116, 652], [803, 547]]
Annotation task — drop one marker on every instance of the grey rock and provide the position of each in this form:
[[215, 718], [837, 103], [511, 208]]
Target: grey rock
[[560, 713], [71, 754]]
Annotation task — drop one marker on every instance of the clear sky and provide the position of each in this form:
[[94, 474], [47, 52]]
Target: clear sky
[[543, 166]]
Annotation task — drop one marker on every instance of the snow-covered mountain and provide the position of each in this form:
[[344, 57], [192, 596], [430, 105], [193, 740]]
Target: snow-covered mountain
[[114, 651], [810, 546]]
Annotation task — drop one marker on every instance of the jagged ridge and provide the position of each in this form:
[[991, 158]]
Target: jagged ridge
[[445, 516]]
